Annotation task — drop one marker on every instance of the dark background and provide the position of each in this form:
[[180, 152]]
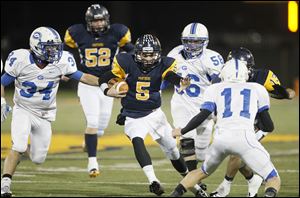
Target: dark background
[[258, 26]]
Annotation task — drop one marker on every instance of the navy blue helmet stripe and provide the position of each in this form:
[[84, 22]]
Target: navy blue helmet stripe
[[193, 28], [236, 67]]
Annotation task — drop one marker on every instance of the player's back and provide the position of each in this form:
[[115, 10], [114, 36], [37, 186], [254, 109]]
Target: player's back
[[238, 103]]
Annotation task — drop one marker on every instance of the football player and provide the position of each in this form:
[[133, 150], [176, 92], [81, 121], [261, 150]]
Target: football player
[[272, 84], [202, 65], [36, 73], [144, 72], [237, 103], [97, 42]]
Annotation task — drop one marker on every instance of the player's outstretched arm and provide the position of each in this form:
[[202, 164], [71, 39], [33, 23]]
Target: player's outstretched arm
[[265, 122], [193, 123], [112, 91], [5, 108], [281, 92], [89, 79], [175, 79]]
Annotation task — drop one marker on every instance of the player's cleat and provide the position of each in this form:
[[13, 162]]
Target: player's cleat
[[201, 193], [93, 169], [5, 187], [253, 185], [156, 188], [223, 189], [94, 173]]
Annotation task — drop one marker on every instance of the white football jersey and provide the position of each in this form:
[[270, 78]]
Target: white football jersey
[[200, 70], [35, 88], [236, 104]]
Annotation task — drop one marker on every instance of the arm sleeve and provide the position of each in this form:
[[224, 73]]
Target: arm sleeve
[[76, 75], [279, 92], [265, 122], [106, 77], [7, 79], [196, 121], [117, 69], [128, 47], [173, 78]]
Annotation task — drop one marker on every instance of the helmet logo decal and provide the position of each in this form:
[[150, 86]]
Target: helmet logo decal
[[37, 35], [95, 6]]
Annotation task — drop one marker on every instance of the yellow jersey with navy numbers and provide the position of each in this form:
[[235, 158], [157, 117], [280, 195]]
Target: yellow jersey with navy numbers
[[144, 88], [97, 50]]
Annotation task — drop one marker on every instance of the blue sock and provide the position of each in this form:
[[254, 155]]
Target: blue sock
[[91, 141]]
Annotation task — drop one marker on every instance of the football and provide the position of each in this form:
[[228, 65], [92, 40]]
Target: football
[[122, 86], [113, 81]]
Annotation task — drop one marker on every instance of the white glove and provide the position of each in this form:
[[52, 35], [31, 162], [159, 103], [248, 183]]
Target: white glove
[[113, 92], [5, 109], [260, 135]]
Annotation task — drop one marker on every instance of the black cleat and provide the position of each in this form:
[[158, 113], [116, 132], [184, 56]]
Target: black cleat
[[201, 193], [156, 188], [6, 195]]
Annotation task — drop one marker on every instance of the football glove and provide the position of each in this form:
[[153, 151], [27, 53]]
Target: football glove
[[113, 92], [184, 83], [5, 109]]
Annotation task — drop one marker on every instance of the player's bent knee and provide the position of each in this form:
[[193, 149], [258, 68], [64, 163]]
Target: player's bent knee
[[92, 122], [100, 132], [38, 159], [201, 153], [20, 148], [187, 147]]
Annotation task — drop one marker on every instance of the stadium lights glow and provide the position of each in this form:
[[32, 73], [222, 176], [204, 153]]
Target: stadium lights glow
[[293, 16]]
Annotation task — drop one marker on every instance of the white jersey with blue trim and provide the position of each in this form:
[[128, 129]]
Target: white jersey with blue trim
[[201, 70], [35, 88], [236, 104]]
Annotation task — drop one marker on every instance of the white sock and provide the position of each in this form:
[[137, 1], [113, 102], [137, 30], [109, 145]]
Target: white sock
[[93, 160], [149, 172]]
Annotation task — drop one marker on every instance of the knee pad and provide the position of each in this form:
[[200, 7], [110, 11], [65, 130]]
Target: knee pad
[[103, 121], [100, 132], [92, 121], [187, 147], [38, 159], [201, 153], [20, 148], [173, 153]]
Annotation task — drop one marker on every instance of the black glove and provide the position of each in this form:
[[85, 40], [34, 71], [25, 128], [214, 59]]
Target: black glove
[[279, 92], [121, 119]]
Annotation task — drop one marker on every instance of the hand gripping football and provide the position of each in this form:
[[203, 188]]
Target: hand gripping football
[[122, 86]]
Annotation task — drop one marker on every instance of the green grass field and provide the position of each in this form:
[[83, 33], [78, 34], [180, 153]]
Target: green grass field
[[65, 175]]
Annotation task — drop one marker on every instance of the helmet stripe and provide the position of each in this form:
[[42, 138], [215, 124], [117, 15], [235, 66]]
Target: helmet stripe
[[236, 67], [193, 28]]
